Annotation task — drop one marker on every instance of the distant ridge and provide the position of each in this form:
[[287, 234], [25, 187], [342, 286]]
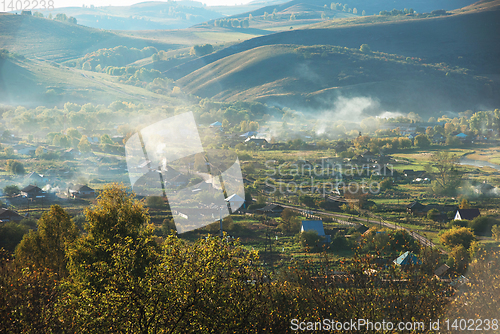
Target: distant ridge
[[470, 36]]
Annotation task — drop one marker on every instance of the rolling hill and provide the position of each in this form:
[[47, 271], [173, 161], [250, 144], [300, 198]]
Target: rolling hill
[[320, 74], [141, 16], [466, 41], [32, 83], [53, 40], [370, 7]]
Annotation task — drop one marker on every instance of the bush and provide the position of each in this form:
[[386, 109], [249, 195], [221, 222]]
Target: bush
[[15, 167], [432, 214], [256, 206], [11, 190], [310, 239], [456, 237], [481, 225], [155, 201]]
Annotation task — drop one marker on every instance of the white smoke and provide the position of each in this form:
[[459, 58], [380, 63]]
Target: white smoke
[[346, 109]]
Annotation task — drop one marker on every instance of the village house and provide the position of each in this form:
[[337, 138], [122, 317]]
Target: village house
[[70, 154], [438, 139], [467, 214], [368, 156], [36, 179], [32, 191], [81, 191], [317, 226], [24, 149], [257, 141], [178, 181], [7, 215], [416, 208], [407, 259]]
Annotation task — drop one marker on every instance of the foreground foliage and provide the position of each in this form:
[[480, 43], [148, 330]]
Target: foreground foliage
[[119, 279]]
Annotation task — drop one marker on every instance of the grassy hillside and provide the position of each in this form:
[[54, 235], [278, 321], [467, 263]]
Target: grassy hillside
[[312, 77], [53, 40], [466, 39], [31, 83], [370, 7]]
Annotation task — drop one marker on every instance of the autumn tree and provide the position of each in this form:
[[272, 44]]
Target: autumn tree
[[482, 293], [45, 247], [84, 145], [464, 204], [458, 236]]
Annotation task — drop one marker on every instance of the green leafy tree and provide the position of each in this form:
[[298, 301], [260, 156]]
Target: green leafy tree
[[11, 190], [201, 50], [310, 239], [105, 139], [432, 214], [74, 133], [482, 225], [307, 200], [84, 145], [11, 234], [45, 247], [39, 151], [15, 167], [449, 175], [422, 141]]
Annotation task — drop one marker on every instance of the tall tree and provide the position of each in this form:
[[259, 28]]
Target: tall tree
[[448, 176], [45, 247]]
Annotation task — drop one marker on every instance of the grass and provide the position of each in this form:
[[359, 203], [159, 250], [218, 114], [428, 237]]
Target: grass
[[52, 40], [36, 82]]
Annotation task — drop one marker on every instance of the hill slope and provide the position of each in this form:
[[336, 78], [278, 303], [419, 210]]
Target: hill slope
[[142, 16], [467, 39], [32, 83], [53, 40], [313, 77]]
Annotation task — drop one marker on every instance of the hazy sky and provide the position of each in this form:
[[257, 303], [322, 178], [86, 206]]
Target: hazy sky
[[79, 3]]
